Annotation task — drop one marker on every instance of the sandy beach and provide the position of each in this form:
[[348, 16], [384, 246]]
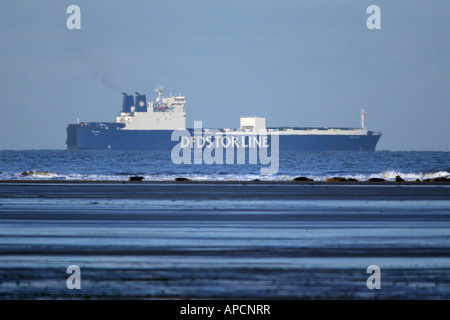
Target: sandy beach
[[250, 240]]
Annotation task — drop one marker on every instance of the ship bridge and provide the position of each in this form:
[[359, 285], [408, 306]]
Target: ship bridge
[[165, 113]]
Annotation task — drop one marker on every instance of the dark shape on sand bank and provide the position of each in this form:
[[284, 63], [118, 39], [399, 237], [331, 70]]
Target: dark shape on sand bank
[[335, 179], [398, 178], [181, 179], [376, 180], [302, 179], [135, 178], [438, 179], [31, 172]]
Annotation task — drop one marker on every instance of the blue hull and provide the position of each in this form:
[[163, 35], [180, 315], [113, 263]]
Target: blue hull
[[109, 136]]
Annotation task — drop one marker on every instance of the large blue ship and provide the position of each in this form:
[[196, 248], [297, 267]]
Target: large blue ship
[[149, 126]]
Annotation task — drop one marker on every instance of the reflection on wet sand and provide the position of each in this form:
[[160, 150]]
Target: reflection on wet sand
[[224, 240]]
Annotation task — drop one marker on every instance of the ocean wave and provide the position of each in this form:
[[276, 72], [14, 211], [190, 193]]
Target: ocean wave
[[388, 175], [220, 176]]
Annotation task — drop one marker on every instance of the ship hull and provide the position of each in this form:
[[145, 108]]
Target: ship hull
[[81, 137]]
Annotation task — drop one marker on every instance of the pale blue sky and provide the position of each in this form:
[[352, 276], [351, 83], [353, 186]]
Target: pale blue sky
[[297, 63]]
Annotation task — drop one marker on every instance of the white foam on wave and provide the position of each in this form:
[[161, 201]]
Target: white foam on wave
[[387, 175], [411, 176]]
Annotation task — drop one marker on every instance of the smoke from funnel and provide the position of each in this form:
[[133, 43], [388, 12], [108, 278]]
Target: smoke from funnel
[[101, 70], [87, 50]]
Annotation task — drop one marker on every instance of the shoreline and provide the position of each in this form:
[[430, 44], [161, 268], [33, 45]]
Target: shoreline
[[224, 182], [225, 190]]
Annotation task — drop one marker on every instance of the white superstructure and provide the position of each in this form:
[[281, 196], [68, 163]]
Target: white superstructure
[[249, 124], [168, 114], [163, 114]]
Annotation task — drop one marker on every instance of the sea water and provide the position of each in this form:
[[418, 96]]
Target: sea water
[[158, 166]]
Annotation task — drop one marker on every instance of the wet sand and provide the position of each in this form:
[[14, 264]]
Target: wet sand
[[251, 240]]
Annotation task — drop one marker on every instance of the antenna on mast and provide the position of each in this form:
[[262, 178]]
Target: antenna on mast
[[159, 90]]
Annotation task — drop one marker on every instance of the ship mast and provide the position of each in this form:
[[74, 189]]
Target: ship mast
[[363, 113], [159, 91]]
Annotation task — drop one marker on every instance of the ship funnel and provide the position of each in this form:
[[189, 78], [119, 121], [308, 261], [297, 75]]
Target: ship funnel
[[140, 103], [127, 103]]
